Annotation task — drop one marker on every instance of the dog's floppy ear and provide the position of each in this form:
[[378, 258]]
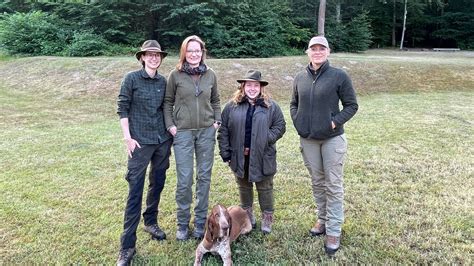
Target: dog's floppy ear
[[210, 225], [229, 219]]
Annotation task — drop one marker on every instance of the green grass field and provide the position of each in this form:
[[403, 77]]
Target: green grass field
[[408, 176]]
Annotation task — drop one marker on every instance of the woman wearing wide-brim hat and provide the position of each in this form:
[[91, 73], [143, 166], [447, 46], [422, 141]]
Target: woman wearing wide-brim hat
[[147, 142], [251, 124]]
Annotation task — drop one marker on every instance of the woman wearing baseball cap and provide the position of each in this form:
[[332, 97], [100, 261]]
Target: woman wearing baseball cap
[[317, 92]]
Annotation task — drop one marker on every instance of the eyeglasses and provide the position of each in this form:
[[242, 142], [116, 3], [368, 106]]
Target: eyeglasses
[[151, 55], [198, 52]]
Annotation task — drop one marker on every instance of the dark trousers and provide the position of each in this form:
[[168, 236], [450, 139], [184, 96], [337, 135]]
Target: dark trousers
[[158, 155]]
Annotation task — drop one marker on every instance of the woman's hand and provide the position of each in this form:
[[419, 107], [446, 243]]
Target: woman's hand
[[172, 130], [131, 145]]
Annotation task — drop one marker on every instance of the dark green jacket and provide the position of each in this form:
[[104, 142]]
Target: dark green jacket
[[315, 102], [184, 109], [268, 125]]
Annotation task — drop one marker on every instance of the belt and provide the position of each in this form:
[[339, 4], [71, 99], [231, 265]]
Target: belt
[[246, 151]]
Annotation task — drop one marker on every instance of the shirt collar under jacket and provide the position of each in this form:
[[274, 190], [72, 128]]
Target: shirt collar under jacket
[[146, 76], [316, 72]]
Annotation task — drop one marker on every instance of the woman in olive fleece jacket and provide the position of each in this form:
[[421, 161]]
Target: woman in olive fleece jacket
[[192, 115], [191, 112]]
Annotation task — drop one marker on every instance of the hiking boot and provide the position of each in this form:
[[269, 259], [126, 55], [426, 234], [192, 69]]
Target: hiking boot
[[332, 244], [253, 221], [155, 231], [125, 256], [318, 229], [267, 220], [183, 233], [198, 232]]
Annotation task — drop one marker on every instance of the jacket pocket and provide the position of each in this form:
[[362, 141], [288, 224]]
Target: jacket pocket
[[269, 161], [182, 117], [233, 161]]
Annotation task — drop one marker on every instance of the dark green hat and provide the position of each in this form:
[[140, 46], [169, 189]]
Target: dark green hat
[[150, 46], [253, 75]]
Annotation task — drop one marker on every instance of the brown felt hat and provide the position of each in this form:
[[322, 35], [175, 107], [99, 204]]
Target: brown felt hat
[[253, 75], [150, 46]]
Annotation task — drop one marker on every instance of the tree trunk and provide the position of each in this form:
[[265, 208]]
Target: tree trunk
[[394, 24], [404, 25], [338, 12], [321, 17]]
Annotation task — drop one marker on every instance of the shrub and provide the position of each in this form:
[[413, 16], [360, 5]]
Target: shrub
[[86, 43], [121, 49], [35, 33]]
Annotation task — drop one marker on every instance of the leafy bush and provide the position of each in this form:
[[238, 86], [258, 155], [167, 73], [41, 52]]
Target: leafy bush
[[35, 33], [120, 49], [87, 44]]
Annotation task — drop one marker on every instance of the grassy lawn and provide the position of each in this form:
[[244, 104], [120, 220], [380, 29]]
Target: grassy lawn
[[408, 177]]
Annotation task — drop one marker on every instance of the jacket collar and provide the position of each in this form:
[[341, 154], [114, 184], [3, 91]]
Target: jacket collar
[[316, 72], [258, 102]]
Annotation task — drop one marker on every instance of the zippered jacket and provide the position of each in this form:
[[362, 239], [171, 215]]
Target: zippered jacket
[[189, 104], [315, 102]]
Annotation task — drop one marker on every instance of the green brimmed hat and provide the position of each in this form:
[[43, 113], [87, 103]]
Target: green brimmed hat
[[150, 46], [253, 75]]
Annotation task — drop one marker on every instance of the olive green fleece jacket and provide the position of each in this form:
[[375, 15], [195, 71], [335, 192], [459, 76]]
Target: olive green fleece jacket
[[185, 110]]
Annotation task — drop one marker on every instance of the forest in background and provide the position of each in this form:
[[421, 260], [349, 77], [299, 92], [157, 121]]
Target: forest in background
[[230, 28]]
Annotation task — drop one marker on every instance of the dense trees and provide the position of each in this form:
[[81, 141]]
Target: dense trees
[[246, 28]]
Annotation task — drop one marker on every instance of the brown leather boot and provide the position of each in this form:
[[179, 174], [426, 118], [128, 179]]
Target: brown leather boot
[[332, 244], [267, 220], [318, 229]]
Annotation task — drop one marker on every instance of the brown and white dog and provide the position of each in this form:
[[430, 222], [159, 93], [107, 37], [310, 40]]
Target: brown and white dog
[[223, 226]]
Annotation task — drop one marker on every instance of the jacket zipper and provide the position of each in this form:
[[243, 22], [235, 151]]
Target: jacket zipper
[[313, 88], [196, 83]]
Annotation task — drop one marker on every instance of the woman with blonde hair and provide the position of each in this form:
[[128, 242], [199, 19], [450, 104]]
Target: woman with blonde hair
[[318, 92], [251, 124], [192, 115]]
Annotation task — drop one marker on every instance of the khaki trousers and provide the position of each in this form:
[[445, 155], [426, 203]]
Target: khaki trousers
[[188, 143], [325, 160]]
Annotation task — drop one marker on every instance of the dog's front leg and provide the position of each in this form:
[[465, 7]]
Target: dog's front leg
[[226, 255], [200, 251]]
